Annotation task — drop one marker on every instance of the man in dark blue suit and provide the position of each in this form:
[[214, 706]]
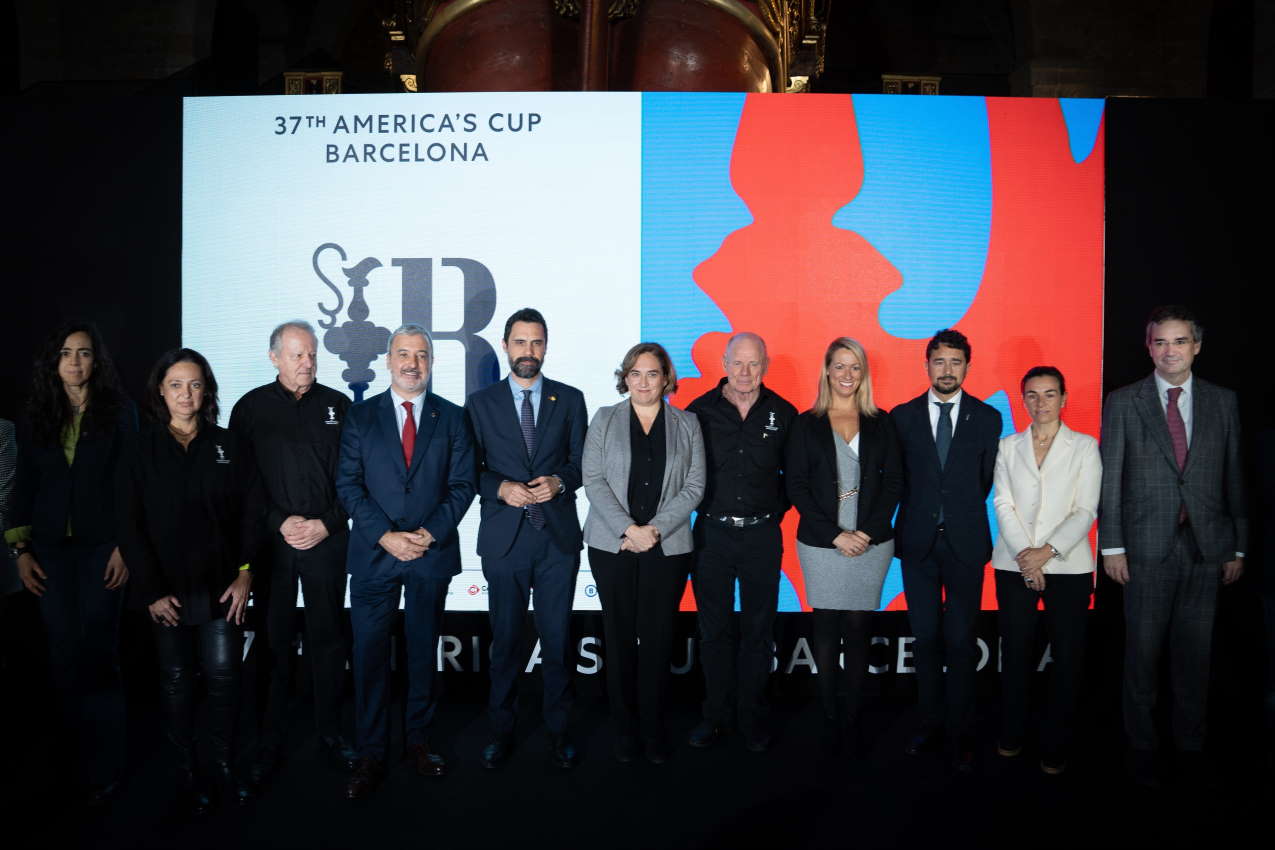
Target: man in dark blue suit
[[949, 441], [530, 436], [406, 477]]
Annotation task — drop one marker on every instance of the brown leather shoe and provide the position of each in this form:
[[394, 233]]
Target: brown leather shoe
[[367, 775], [428, 761]]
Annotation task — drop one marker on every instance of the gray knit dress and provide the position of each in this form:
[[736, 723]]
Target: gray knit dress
[[833, 580]]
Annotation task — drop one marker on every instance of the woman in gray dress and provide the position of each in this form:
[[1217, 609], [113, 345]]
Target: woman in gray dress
[[844, 475]]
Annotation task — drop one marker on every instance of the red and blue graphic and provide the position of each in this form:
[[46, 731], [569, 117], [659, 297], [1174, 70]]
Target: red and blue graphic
[[884, 218]]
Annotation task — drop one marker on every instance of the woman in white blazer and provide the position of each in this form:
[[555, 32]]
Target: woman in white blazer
[[1047, 483], [643, 472]]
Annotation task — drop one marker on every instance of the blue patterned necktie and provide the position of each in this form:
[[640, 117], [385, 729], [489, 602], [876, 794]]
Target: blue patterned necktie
[[535, 513]]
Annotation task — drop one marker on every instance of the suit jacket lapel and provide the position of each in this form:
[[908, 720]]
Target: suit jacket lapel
[[388, 417], [1027, 452], [546, 414], [1202, 421], [424, 431], [1147, 403], [1060, 448]]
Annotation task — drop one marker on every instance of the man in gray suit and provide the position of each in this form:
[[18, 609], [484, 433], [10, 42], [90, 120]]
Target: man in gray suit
[[1172, 527]]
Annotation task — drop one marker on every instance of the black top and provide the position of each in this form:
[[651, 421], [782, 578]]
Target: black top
[[814, 488], [297, 443], [648, 453], [50, 493], [744, 457], [191, 518]]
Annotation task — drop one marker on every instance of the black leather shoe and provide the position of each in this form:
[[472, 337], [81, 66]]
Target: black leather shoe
[[1143, 770], [428, 761], [366, 778], [923, 741], [563, 752], [233, 788], [625, 748], [338, 753], [655, 750], [100, 796], [757, 742], [963, 755], [704, 735], [193, 799], [264, 766], [496, 751]]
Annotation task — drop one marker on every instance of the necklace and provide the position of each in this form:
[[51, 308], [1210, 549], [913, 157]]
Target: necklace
[[179, 434], [1044, 441]]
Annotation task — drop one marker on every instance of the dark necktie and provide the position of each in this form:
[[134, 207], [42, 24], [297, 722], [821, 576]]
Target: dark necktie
[[943, 442], [409, 434], [535, 513], [1177, 435], [943, 434]]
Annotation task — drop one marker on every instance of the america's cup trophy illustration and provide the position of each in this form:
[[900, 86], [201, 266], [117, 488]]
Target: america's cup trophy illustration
[[358, 342]]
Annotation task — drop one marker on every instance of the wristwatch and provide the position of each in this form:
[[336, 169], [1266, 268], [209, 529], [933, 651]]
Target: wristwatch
[[1056, 554], [16, 551]]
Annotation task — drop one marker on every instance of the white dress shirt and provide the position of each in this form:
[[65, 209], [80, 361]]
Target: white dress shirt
[[400, 412], [934, 402], [1184, 401]]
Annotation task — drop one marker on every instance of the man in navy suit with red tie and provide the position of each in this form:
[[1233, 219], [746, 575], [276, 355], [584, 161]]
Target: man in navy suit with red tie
[[529, 432], [406, 477]]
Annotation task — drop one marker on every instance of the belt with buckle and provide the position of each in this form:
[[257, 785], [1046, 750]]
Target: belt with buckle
[[740, 521]]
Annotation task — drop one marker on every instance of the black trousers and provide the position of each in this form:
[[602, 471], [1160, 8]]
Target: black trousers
[[533, 564], [82, 622], [736, 651], [640, 594], [217, 647], [943, 595], [1066, 599], [1170, 603], [321, 573]]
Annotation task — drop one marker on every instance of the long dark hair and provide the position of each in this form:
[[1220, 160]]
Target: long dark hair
[[155, 407], [48, 409]]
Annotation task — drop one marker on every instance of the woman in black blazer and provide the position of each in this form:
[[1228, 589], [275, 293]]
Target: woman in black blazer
[[63, 536], [844, 474], [194, 521]]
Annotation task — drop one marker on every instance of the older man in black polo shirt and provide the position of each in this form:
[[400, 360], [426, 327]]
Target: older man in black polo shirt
[[294, 427], [737, 538]]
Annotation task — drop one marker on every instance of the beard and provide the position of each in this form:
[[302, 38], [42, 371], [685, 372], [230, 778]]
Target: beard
[[525, 367], [947, 384]]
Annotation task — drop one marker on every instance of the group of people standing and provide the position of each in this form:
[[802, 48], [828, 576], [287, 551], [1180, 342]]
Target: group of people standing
[[305, 487]]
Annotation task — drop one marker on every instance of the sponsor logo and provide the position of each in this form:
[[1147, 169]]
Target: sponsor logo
[[221, 455]]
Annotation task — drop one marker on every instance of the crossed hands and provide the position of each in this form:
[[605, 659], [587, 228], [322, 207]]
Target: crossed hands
[[535, 492], [406, 545], [851, 543], [639, 538], [301, 533]]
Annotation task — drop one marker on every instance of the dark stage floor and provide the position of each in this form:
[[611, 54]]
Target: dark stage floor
[[791, 797]]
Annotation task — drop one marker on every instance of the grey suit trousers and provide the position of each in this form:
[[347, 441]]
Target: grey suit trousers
[[1173, 601]]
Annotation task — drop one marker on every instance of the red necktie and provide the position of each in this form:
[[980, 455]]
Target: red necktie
[[409, 434], [1177, 428], [1177, 435]]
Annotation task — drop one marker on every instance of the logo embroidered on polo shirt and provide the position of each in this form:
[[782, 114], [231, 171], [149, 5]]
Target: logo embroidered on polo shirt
[[221, 455], [331, 420]]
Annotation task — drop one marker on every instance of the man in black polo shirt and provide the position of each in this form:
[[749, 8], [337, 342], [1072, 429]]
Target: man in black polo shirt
[[294, 426], [737, 537]]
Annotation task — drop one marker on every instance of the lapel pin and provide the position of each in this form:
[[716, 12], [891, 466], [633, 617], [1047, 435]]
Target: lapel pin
[[433, 414], [553, 398]]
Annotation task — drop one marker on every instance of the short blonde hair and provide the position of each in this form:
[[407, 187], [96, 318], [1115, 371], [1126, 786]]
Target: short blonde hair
[[862, 395], [666, 364]]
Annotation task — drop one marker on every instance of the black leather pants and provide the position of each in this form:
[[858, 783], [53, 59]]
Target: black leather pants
[[217, 648]]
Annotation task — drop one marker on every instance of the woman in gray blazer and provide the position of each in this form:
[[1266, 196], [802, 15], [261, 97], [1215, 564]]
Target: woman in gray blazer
[[644, 474]]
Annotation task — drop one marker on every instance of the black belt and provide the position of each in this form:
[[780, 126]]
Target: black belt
[[739, 521]]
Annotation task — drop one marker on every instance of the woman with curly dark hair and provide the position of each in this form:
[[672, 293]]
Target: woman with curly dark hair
[[194, 514], [63, 536]]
